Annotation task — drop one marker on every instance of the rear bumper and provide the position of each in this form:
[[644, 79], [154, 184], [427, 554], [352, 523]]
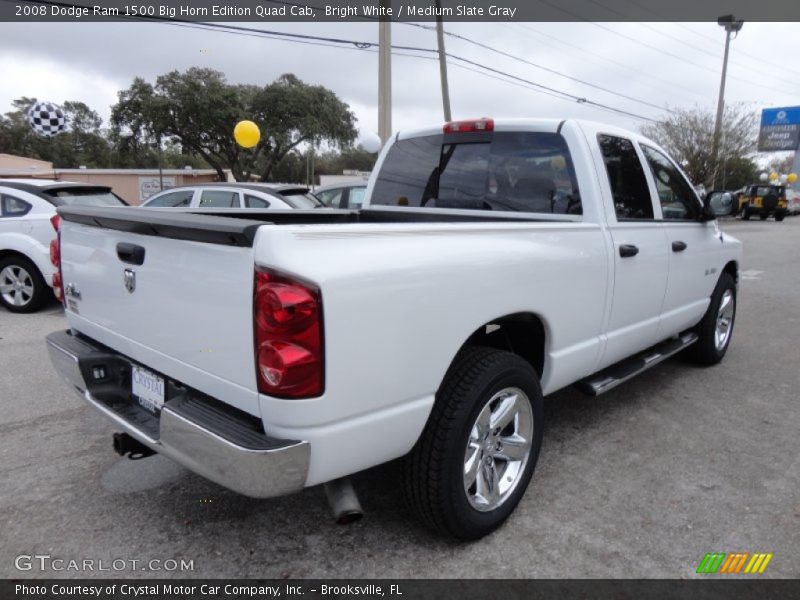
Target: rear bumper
[[204, 435]]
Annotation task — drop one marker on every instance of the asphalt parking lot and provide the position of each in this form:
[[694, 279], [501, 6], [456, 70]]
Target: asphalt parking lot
[[641, 482]]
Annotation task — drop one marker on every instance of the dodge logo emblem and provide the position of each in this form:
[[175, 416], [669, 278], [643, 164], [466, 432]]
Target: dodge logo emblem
[[130, 280]]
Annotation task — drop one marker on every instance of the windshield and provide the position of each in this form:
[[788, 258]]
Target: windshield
[[76, 196]]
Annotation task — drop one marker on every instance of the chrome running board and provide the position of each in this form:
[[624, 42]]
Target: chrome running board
[[612, 376]]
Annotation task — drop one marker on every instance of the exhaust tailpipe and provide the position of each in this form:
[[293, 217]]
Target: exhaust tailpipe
[[126, 445], [343, 501]]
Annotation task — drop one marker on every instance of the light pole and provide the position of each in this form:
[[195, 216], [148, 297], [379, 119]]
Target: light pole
[[442, 61], [385, 75], [731, 25]]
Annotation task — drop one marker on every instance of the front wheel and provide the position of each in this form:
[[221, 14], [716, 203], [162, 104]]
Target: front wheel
[[745, 214], [779, 217], [22, 287], [473, 462], [716, 328], [764, 216]]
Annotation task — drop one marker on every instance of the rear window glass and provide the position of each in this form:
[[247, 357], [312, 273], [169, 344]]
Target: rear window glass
[[85, 197], [507, 171], [301, 201], [764, 190]]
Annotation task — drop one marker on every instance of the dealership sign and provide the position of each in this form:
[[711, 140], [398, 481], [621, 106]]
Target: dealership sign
[[780, 129]]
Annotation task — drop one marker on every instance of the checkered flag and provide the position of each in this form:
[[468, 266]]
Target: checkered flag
[[47, 119]]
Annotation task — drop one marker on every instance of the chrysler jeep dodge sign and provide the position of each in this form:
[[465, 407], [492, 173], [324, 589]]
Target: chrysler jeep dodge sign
[[780, 129]]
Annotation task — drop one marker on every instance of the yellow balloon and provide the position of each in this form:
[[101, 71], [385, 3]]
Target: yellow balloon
[[773, 176], [246, 134], [792, 177]]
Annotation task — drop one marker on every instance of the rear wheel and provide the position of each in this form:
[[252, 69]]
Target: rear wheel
[[716, 328], [22, 287], [745, 214], [473, 462], [764, 216], [780, 216]]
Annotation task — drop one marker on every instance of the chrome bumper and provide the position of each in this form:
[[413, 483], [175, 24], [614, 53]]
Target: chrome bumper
[[221, 449]]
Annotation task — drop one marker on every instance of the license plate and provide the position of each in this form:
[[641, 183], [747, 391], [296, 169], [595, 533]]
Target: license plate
[[148, 389]]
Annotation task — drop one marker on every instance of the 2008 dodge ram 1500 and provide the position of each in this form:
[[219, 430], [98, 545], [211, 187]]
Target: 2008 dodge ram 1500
[[493, 262]]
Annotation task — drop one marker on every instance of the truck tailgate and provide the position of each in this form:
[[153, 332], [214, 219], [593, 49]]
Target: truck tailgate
[[185, 311]]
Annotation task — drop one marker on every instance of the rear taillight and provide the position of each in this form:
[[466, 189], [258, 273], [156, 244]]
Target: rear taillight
[[287, 319], [55, 258], [469, 126]]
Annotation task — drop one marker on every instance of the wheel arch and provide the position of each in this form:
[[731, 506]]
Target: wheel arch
[[523, 333], [732, 269], [9, 253]]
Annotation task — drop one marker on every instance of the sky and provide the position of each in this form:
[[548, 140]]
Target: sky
[[643, 68]]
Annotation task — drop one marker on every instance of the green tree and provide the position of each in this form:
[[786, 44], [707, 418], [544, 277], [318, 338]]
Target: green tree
[[83, 142], [688, 134], [198, 109]]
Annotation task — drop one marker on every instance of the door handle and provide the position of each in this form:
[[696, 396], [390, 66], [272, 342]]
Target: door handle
[[678, 246], [130, 253], [628, 250]]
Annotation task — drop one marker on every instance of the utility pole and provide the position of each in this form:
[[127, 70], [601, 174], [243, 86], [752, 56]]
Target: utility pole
[[385, 75], [731, 25], [442, 62]]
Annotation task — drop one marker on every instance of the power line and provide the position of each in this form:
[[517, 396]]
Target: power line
[[360, 45], [367, 45], [549, 70], [656, 49], [599, 57]]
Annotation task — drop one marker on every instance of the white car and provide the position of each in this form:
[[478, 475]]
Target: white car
[[235, 195], [792, 202], [494, 263], [27, 209], [342, 195]]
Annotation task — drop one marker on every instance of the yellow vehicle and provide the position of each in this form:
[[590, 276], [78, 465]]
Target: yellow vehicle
[[763, 200]]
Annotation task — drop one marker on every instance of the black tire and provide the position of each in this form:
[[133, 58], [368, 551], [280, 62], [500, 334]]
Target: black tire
[[780, 217], [745, 214], [705, 351], [764, 216], [22, 269], [434, 470]]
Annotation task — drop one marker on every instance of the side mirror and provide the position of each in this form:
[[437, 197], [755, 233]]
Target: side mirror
[[707, 213]]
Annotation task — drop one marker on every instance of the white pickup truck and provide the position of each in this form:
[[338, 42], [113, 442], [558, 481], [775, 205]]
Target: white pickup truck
[[494, 262]]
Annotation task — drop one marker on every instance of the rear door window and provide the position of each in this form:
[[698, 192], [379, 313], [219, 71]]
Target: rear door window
[[503, 171], [356, 197], [219, 199], [626, 177], [13, 207]]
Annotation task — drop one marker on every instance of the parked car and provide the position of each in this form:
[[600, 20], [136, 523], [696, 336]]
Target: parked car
[[764, 200], [342, 195], [493, 263], [792, 202], [234, 195], [27, 207]]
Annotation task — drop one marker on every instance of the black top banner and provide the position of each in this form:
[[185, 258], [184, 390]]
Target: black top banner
[[399, 10], [402, 589]]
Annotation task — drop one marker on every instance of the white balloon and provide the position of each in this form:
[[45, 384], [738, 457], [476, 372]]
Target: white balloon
[[763, 177], [784, 178], [369, 142]]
